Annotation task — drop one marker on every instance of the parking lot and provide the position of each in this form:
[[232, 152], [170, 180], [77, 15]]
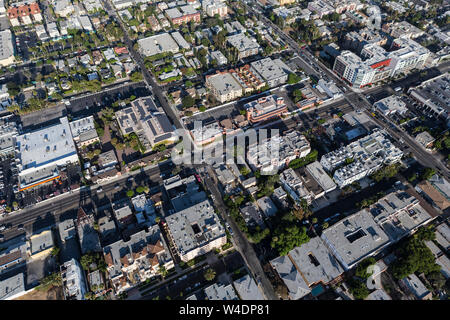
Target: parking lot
[[8, 179], [70, 179]]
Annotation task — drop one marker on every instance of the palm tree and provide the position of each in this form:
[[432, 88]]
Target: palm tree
[[163, 271], [209, 274]]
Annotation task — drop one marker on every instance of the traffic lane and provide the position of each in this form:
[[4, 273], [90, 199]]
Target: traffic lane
[[241, 242], [51, 210], [422, 156]]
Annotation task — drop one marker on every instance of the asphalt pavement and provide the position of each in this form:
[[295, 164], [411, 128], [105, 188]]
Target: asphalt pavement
[[52, 211]]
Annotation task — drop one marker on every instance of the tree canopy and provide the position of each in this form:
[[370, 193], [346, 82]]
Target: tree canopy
[[287, 238], [415, 256]]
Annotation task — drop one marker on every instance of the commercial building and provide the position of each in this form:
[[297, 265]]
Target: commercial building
[[6, 48], [40, 154], [148, 121], [8, 135], [245, 45], [366, 155], [274, 72], [160, 43], [391, 105], [369, 231], [206, 133], [433, 96], [131, 262], [74, 281], [84, 132], [13, 255], [67, 230], [265, 108], [195, 231], [425, 139], [329, 88], [12, 287], [247, 289], [40, 244]]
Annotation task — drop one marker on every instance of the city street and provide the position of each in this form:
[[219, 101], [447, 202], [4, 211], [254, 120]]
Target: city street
[[52, 211]]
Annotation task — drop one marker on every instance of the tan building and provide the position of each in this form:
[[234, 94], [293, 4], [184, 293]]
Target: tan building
[[224, 86], [285, 2]]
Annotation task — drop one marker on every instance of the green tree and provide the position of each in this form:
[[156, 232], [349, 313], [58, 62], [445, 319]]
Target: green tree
[[209, 274], [130, 193], [287, 238], [361, 269], [187, 102], [415, 256], [140, 189], [293, 78], [428, 173], [163, 271], [358, 289]]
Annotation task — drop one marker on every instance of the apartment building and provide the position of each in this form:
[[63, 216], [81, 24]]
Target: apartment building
[[6, 48], [213, 7], [24, 13], [8, 135], [224, 86], [131, 262], [84, 132], [375, 63], [182, 14], [74, 281], [149, 122], [306, 267], [352, 69], [370, 230], [273, 71], [366, 155], [408, 55], [245, 45], [195, 231], [276, 152]]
